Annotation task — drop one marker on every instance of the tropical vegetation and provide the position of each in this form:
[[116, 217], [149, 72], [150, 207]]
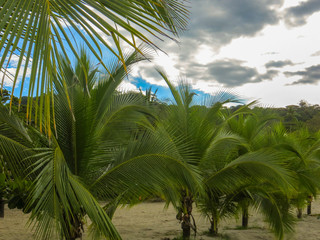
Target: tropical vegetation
[[79, 148]]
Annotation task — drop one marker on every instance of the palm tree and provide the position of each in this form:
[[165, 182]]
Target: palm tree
[[191, 130], [34, 32], [182, 133], [303, 149], [90, 156], [253, 131], [241, 169], [196, 132]]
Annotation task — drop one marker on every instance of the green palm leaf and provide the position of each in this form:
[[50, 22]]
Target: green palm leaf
[[37, 31]]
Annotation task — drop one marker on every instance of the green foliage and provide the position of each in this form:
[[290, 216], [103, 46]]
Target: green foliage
[[2, 184], [294, 117], [13, 190], [38, 31], [121, 148], [18, 193]]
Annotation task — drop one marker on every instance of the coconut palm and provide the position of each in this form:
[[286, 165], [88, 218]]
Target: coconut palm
[[85, 160], [193, 132], [240, 169], [182, 133], [253, 131], [303, 149], [191, 129], [34, 32]]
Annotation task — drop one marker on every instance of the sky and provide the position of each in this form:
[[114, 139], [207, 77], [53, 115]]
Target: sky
[[266, 50]]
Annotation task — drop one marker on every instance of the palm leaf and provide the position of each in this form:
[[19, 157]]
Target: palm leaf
[[38, 30], [58, 197]]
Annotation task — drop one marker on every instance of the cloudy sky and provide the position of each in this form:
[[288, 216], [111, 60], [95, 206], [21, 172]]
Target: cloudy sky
[[260, 49], [266, 50]]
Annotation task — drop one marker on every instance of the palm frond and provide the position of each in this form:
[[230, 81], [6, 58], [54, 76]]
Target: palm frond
[[59, 200], [37, 31], [260, 165]]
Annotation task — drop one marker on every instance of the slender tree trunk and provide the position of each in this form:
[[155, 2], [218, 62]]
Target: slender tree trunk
[[299, 214], [245, 216], [185, 215], [309, 205], [75, 229], [1, 208], [214, 226], [186, 229], [309, 209]]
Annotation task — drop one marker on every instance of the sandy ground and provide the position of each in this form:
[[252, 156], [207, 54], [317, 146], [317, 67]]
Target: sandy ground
[[152, 221]]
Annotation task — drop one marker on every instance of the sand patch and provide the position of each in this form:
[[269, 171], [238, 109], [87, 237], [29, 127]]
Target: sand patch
[[152, 221]]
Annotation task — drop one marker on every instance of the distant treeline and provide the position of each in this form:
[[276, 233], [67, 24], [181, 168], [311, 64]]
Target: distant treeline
[[293, 117]]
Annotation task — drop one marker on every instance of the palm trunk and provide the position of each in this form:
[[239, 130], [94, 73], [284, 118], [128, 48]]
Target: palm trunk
[[309, 209], [185, 215], [245, 216], [309, 205], [214, 226], [75, 230], [1, 208], [186, 229], [299, 214]]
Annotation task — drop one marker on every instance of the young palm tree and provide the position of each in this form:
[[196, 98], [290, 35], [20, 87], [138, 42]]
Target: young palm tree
[[303, 149], [84, 160], [194, 131], [253, 131], [191, 129], [240, 169]]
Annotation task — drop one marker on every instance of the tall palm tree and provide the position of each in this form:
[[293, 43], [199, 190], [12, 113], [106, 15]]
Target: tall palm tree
[[34, 32], [85, 160]]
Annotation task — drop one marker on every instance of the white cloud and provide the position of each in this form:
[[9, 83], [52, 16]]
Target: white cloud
[[8, 75], [249, 43], [127, 86]]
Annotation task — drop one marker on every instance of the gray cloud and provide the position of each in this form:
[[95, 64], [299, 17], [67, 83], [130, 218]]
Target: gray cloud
[[269, 75], [230, 73], [218, 22], [310, 75], [150, 72], [278, 64], [298, 15]]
